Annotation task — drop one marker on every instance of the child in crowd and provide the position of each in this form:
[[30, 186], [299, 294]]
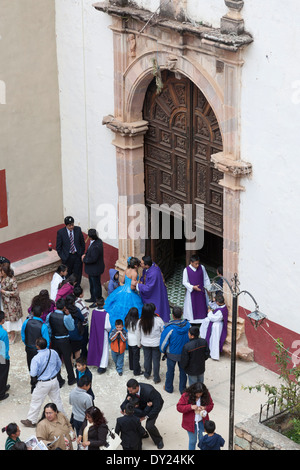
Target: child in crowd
[[13, 432], [82, 370], [98, 351], [130, 428], [113, 283], [134, 340], [211, 440], [118, 338], [80, 303]]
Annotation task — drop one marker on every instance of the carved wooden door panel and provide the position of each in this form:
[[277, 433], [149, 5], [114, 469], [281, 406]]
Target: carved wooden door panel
[[183, 134]]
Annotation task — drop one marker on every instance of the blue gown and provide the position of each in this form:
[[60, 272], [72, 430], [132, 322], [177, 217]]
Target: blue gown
[[121, 300]]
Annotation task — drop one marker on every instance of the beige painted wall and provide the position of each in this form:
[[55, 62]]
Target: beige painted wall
[[29, 120]]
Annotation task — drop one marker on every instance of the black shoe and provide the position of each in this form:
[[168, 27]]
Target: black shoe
[[62, 383], [89, 300], [6, 395], [72, 382], [160, 445], [101, 370], [157, 381], [7, 387], [140, 373], [144, 436], [94, 305]]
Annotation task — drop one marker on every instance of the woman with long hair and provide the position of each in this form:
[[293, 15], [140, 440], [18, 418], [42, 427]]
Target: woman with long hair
[[150, 327], [59, 275], [195, 404], [43, 300], [133, 340], [93, 432], [11, 302]]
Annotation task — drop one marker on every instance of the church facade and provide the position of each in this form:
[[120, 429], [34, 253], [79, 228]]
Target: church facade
[[180, 104]]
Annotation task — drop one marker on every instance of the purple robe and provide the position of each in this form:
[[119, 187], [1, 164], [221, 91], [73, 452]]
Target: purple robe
[[153, 290], [224, 311], [198, 299], [96, 339]]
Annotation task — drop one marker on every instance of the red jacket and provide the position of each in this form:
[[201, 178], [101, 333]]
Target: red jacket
[[188, 415]]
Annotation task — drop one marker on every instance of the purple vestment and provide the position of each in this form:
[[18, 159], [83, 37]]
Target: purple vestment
[[224, 311], [96, 340], [199, 306], [153, 290]]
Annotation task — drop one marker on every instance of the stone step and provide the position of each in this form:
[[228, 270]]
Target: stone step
[[34, 270]]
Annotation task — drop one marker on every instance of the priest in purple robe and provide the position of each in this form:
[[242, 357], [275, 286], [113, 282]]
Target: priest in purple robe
[[196, 282], [152, 288]]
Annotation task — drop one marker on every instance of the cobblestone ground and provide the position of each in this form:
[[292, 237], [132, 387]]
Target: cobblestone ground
[[110, 391]]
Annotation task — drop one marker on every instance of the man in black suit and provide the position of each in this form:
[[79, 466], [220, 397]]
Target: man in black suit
[[147, 393], [94, 265], [70, 247]]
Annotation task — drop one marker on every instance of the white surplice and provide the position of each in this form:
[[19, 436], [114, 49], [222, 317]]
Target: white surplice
[[105, 352], [187, 307], [214, 342]]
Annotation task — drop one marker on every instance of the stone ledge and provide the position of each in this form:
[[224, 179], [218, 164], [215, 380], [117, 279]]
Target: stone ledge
[[252, 435], [36, 268]]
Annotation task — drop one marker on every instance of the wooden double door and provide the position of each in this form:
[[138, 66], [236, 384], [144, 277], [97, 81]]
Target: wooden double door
[[183, 134]]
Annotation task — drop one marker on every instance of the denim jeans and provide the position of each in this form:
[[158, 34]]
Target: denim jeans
[[170, 376], [196, 378], [194, 436], [118, 360], [152, 356]]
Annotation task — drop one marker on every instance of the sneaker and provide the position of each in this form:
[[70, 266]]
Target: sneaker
[[28, 423]]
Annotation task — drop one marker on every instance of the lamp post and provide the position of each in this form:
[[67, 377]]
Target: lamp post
[[256, 318]]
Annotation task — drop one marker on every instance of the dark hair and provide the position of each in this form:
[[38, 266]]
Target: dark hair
[[194, 331], [220, 298], [133, 261], [177, 312], [147, 318], [72, 279], [209, 426], [19, 446], [43, 300], [61, 268], [77, 291], [7, 270], [69, 220], [60, 304], [147, 260], [132, 383], [37, 310], [100, 302], [81, 360], [131, 318], [84, 380], [119, 321], [10, 429], [194, 258], [92, 233], [220, 270], [41, 343], [96, 415], [49, 405], [129, 409], [2, 315], [195, 388]]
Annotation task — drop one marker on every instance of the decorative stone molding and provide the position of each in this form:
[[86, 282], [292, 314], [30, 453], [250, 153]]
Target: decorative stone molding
[[232, 22], [125, 128]]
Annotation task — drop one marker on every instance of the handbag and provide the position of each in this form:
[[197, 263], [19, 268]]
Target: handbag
[[113, 440]]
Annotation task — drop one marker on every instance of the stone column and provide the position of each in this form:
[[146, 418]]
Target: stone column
[[129, 143]]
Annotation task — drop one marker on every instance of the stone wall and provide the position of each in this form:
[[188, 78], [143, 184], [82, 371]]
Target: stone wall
[[252, 435]]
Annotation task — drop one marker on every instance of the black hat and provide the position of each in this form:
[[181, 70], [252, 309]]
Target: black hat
[[69, 220], [4, 260]]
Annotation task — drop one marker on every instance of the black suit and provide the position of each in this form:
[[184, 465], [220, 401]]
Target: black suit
[[149, 394], [94, 267], [131, 432], [72, 261]]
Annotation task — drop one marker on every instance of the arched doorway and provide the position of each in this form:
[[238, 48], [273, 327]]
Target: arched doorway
[[183, 134]]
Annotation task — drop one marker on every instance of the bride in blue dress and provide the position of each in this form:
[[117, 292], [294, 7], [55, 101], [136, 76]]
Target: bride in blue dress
[[122, 299]]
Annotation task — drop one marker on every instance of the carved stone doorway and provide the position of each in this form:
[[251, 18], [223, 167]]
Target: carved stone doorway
[[182, 136]]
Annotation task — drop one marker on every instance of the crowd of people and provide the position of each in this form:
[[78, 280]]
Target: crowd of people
[[60, 328]]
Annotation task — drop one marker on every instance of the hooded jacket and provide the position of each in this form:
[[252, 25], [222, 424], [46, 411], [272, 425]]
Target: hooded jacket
[[174, 337], [214, 442], [113, 283]]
